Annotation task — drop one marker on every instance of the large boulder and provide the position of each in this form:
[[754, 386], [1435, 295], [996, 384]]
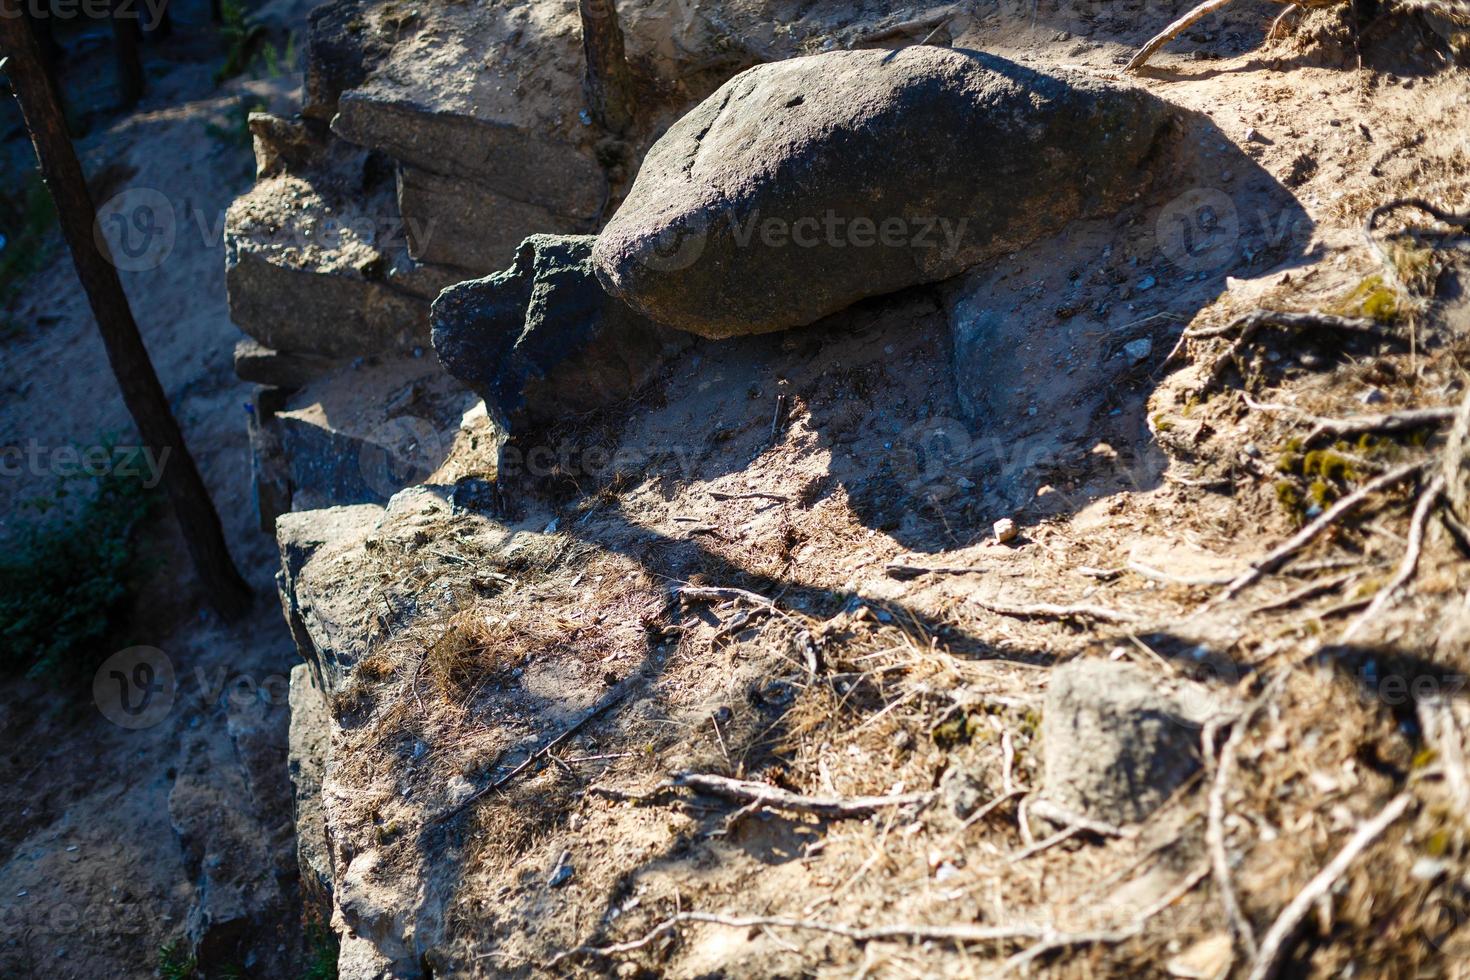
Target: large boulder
[[542, 340], [803, 186]]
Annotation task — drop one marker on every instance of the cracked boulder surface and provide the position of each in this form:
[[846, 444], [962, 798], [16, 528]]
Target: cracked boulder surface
[[774, 202]]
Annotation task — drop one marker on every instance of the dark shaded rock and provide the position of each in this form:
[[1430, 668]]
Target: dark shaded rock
[[542, 340], [310, 737], [1115, 743], [270, 479], [343, 44], [284, 143], [803, 186], [338, 447], [257, 363]]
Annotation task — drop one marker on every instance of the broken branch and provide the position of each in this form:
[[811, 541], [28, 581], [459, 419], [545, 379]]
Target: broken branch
[[1278, 937], [1048, 611], [1410, 562], [1282, 553], [1172, 31], [1401, 421]]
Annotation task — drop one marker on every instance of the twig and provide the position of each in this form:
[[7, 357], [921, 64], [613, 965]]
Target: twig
[[1172, 31], [1248, 325], [899, 570], [1278, 938], [1215, 833], [1401, 421], [1047, 936], [751, 495], [1410, 563], [1437, 719], [959, 934], [1059, 814], [1064, 940], [1008, 761], [609, 701], [1309, 591], [1159, 575], [766, 795], [1049, 611], [1282, 553], [1043, 844], [1389, 266]]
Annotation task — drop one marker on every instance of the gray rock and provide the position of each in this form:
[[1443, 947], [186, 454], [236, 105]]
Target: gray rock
[[509, 126], [310, 737], [457, 221], [805, 185], [345, 40], [1115, 745], [542, 340], [324, 597], [306, 258], [340, 447]]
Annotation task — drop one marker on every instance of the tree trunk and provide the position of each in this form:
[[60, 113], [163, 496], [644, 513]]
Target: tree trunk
[[126, 33], [141, 392], [608, 83]]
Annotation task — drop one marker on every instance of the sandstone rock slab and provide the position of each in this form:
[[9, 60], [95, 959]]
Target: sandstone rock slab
[[306, 261], [805, 185]]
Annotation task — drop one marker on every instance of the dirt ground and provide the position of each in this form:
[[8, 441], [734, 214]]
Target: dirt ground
[[809, 470], [778, 566]]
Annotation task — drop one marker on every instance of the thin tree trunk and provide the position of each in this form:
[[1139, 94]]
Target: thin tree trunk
[[126, 33], [141, 392], [609, 86]]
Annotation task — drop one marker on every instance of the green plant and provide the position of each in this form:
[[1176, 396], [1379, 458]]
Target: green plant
[[242, 38], [321, 954], [65, 573], [236, 132], [175, 962], [26, 219], [279, 62]]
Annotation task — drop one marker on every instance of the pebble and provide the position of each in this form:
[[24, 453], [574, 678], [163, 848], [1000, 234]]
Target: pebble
[[1006, 530], [1372, 396], [1147, 283], [1138, 350]]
